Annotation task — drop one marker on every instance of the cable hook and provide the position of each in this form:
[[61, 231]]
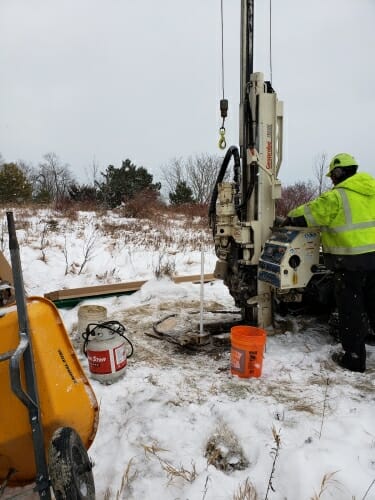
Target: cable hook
[[222, 142], [224, 113]]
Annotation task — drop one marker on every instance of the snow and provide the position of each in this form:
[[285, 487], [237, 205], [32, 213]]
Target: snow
[[159, 423]]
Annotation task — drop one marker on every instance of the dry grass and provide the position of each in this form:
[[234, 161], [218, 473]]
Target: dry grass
[[171, 470], [246, 491], [163, 229], [126, 481], [327, 482], [275, 452], [158, 232]]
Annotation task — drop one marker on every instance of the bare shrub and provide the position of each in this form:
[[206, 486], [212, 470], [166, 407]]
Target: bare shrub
[[88, 249], [165, 267], [44, 241], [71, 213], [191, 210], [143, 204]]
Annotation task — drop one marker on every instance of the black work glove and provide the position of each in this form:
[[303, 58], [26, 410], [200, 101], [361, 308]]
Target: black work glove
[[287, 222], [279, 221]]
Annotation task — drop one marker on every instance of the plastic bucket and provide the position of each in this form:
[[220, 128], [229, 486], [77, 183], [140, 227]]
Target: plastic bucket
[[247, 348], [90, 314]]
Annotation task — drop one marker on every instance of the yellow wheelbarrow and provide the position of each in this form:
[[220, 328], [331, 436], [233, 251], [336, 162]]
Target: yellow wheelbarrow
[[48, 412]]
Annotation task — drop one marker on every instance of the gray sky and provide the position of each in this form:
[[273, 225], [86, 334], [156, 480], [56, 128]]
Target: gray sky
[[106, 80]]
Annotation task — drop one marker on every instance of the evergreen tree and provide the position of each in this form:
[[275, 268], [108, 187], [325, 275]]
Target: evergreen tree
[[123, 184], [182, 194], [83, 193], [14, 186]]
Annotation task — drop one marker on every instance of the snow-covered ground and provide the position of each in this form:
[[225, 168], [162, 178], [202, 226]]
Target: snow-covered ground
[[178, 425]]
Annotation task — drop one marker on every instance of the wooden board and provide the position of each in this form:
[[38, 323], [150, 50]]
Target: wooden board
[[112, 289]]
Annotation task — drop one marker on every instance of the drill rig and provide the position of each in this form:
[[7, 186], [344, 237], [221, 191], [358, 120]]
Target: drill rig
[[261, 265]]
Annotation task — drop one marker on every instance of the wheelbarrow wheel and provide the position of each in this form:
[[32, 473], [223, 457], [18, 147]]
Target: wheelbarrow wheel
[[70, 468]]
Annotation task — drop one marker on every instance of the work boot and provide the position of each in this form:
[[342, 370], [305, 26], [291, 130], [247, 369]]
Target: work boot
[[349, 361], [370, 339]]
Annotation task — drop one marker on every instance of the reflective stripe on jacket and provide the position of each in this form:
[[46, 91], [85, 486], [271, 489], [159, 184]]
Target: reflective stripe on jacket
[[345, 216]]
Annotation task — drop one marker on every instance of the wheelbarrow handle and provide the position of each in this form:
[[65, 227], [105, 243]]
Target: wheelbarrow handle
[[6, 355], [15, 372], [24, 352]]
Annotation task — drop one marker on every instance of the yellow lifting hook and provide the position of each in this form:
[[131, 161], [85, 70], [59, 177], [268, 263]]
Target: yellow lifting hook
[[222, 142]]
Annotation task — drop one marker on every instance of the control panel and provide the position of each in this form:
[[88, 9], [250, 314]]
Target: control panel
[[290, 257]]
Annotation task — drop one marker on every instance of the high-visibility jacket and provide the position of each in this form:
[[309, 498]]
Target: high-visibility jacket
[[345, 216]]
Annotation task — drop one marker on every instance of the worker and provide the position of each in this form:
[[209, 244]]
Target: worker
[[346, 218]]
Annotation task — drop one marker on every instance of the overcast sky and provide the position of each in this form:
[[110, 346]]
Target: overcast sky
[[106, 80]]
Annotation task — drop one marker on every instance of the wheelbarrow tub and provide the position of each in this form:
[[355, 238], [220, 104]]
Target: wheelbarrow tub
[[65, 395]]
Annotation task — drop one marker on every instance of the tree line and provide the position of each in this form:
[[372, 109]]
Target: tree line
[[187, 181], [52, 181]]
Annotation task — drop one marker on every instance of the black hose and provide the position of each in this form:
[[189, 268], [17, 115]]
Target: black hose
[[113, 326]]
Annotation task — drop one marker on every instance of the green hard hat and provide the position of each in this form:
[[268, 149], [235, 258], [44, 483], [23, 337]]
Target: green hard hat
[[342, 160]]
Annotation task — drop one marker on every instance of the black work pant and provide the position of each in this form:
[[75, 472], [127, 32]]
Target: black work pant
[[355, 298]]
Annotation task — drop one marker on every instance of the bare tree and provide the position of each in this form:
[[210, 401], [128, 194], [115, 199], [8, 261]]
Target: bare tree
[[198, 172], [202, 172], [173, 173], [27, 168], [320, 170], [92, 172], [294, 195], [53, 177]]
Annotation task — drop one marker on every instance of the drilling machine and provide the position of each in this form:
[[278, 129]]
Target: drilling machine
[[262, 265]]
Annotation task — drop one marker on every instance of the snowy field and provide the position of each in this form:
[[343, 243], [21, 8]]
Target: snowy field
[[178, 425]]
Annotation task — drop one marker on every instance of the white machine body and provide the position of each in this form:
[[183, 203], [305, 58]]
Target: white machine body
[[290, 258], [106, 354]]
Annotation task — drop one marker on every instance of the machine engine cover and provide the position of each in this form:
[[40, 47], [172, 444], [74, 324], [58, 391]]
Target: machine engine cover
[[290, 257]]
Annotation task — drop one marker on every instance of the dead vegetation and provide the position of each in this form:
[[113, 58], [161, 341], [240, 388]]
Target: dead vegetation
[[275, 451], [224, 451], [246, 491], [128, 477], [171, 229], [173, 472], [328, 481]]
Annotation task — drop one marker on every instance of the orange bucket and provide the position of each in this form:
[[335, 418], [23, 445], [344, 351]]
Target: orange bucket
[[247, 348]]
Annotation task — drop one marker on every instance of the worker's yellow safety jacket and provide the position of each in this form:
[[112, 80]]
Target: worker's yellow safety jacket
[[345, 216]]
